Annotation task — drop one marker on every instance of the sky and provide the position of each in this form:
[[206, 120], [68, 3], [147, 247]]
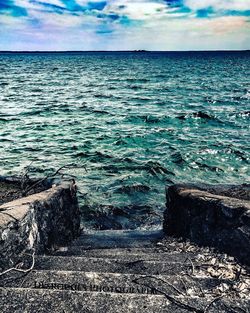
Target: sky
[[124, 25]]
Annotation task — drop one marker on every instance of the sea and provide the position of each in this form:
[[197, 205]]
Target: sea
[[126, 125]]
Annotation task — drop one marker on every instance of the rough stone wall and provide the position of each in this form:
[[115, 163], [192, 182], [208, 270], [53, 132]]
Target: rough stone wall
[[38, 222], [211, 219]]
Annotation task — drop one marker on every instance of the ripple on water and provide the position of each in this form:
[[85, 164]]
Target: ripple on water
[[130, 124]]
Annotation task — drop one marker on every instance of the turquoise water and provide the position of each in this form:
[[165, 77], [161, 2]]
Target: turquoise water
[[130, 122]]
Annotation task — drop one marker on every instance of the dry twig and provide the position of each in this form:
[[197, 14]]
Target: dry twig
[[212, 302], [19, 269], [170, 298], [192, 264], [49, 176]]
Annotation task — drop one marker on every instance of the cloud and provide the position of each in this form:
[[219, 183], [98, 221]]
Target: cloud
[[124, 24], [137, 10], [230, 32], [237, 5]]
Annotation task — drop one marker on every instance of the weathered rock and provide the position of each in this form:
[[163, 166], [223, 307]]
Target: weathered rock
[[37, 222], [15, 187], [211, 215]]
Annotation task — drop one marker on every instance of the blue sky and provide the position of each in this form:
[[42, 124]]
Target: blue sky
[[124, 25]]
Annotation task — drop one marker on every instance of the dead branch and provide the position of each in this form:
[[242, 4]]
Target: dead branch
[[235, 310], [19, 269], [49, 176], [81, 193], [25, 177], [212, 302], [191, 265], [238, 274], [184, 285], [167, 283], [201, 291], [45, 178], [170, 298]]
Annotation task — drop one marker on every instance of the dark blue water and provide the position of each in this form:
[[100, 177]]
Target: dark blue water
[[128, 123]]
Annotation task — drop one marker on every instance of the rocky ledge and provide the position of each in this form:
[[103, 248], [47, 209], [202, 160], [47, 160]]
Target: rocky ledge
[[217, 216], [39, 221]]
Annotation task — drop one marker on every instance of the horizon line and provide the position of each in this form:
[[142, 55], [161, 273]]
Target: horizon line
[[119, 51]]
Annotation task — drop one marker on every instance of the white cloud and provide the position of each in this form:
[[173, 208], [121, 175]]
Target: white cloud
[[138, 10], [238, 5], [160, 27], [8, 21], [32, 4], [185, 34], [61, 21]]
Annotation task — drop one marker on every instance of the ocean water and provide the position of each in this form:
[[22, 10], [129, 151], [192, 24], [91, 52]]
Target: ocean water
[[128, 123]]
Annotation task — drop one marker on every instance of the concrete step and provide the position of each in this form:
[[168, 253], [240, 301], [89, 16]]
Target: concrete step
[[118, 239], [128, 254], [42, 301], [107, 252], [86, 264], [144, 234], [114, 282]]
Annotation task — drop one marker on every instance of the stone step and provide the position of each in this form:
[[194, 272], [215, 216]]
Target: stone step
[[125, 254], [131, 233], [20, 300], [114, 282], [86, 264], [108, 252], [112, 244], [118, 239]]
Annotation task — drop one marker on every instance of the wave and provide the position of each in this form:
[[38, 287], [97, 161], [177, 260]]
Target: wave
[[145, 122], [200, 114], [148, 119], [122, 217], [133, 188]]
